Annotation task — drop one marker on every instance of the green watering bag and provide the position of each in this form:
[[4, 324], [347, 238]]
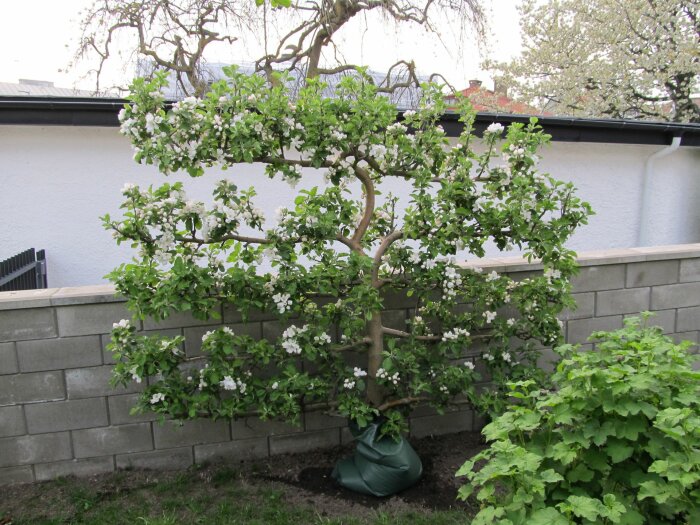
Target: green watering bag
[[379, 466]]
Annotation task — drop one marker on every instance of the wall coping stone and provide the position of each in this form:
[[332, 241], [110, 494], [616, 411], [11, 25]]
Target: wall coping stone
[[105, 293]]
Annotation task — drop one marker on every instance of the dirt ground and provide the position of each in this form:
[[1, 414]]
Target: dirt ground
[[301, 478], [309, 475]]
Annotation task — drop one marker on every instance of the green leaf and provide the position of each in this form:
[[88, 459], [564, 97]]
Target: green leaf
[[579, 473], [547, 516], [618, 450], [550, 476]]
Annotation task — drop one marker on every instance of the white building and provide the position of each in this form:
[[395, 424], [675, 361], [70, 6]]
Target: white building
[[63, 162]]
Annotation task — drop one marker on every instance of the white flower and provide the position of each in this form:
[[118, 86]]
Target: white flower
[[358, 372], [454, 334], [488, 357], [349, 384], [382, 374], [322, 339], [207, 335], [489, 316], [275, 385], [157, 398], [124, 323], [510, 322], [492, 276], [134, 374], [283, 302], [470, 365], [228, 383], [495, 128], [506, 357], [127, 188]]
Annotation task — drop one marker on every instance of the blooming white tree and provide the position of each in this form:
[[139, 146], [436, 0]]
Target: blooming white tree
[[335, 253], [610, 58]]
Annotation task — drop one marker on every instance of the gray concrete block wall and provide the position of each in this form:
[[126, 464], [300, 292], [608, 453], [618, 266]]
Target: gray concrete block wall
[[59, 416]]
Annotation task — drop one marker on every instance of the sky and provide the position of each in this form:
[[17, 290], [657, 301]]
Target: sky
[[45, 51]]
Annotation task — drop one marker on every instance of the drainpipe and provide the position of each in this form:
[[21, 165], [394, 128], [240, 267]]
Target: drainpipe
[[644, 219]]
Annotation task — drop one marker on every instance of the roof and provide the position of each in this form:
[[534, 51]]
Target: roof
[[72, 111], [39, 88], [487, 100]]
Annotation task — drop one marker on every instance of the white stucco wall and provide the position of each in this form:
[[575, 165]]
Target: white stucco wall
[[55, 182]]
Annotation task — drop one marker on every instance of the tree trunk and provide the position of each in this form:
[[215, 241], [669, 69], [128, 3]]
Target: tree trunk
[[374, 359]]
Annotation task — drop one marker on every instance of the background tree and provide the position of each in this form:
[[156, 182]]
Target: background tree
[[174, 34], [610, 58]]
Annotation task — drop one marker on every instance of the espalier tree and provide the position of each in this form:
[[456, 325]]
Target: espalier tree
[[335, 253]]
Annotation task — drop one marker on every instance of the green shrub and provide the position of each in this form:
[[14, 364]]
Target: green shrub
[[616, 441]]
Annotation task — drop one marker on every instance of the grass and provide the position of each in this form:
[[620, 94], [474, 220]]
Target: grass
[[197, 496]]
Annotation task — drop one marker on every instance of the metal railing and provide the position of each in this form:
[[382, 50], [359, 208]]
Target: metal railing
[[24, 271]]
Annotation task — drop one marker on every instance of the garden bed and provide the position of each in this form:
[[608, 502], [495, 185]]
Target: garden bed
[[285, 489]]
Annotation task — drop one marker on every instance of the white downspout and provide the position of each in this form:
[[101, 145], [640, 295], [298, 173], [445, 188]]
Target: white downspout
[[644, 218]]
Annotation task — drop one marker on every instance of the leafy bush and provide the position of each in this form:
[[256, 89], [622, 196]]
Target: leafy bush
[[325, 265], [617, 441]]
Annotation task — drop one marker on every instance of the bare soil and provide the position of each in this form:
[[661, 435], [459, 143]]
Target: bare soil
[[301, 479]]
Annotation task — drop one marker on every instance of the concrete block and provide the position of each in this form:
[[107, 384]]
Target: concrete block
[[55, 354], [238, 450], [303, 442], [594, 278], [395, 319], [690, 270], [448, 423], [585, 307], [93, 294], [397, 300], [317, 420], [74, 467], [12, 421], [253, 427], [179, 320], [89, 319], [66, 415], [112, 440], [13, 475], [29, 323], [688, 319], [548, 360], [171, 434], [25, 299], [632, 300], [665, 319], [652, 273], [107, 356], [272, 330], [346, 436], [233, 316], [8, 359], [41, 448], [686, 336], [27, 388], [675, 296], [120, 410], [170, 459], [193, 335], [94, 382], [579, 330]]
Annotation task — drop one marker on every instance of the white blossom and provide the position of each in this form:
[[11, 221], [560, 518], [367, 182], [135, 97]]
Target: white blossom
[[489, 316], [495, 128], [157, 398]]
